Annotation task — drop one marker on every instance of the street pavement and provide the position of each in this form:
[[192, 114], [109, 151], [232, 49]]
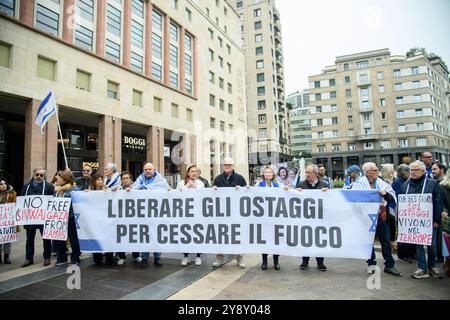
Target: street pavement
[[345, 279]]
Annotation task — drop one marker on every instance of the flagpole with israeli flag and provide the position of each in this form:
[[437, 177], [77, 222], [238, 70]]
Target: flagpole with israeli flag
[[45, 111]]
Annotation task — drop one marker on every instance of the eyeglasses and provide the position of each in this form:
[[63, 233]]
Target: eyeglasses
[[39, 175], [86, 170], [228, 165], [416, 169]]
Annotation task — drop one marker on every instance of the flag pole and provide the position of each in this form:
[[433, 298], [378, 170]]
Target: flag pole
[[61, 136]]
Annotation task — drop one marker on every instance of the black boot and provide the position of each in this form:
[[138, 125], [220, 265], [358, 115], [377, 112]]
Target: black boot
[[6, 259], [264, 262], [276, 265]]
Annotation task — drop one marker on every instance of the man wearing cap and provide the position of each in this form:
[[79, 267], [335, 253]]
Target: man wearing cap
[[353, 175], [229, 178], [427, 159]]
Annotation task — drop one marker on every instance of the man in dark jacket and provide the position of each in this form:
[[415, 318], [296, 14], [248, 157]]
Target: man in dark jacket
[[312, 182], [420, 184], [84, 181], [37, 186], [229, 179], [405, 251]]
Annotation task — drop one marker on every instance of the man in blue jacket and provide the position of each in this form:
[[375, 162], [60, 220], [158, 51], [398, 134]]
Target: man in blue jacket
[[419, 183]]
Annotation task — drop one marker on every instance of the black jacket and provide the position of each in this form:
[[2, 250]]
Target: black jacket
[[205, 182], [415, 186], [32, 191], [445, 192], [306, 185], [83, 183], [234, 180]]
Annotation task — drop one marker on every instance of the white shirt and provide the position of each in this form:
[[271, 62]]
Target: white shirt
[[198, 184]]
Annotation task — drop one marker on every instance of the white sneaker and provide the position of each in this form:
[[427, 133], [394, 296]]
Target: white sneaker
[[139, 259], [241, 263], [185, 261], [198, 261], [120, 262], [371, 269], [218, 263]]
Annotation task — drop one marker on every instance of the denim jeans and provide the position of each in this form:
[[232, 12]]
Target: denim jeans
[[5, 248], [319, 260], [145, 255], [421, 260], [61, 246], [383, 235]]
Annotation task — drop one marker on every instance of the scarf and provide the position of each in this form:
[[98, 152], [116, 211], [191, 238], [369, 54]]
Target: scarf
[[274, 184], [364, 184], [114, 181], [157, 181], [61, 190]]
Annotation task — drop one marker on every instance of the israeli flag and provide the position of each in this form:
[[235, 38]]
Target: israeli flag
[[46, 110]]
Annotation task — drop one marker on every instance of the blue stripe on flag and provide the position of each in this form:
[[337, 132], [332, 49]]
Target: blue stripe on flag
[[362, 196], [77, 196], [47, 115], [90, 245], [44, 102]]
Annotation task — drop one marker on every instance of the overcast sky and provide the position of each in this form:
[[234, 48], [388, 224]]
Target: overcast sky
[[316, 31]]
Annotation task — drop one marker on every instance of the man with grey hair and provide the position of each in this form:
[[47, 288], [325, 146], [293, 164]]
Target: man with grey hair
[[421, 184], [312, 182], [427, 159], [112, 177], [229, 179], [371, 181], [37, 186]]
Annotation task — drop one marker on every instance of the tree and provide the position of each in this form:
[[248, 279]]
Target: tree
[[429, 55]]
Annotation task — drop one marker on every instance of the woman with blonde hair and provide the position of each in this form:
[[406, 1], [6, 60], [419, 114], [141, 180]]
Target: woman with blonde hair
[[65, 185], [98, 184], [269, 181], [191, 181]]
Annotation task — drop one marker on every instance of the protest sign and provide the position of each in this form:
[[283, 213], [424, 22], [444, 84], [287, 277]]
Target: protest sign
[[56, 218], [415, 218], [7, 223], [30, 210]]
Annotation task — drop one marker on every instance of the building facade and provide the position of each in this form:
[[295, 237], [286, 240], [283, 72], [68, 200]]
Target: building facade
[[300, 120], [374, 106], [130, 83], [268, 116]]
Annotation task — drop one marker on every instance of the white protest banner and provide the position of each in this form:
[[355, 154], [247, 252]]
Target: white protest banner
[[415, 218], [31, 210], [7, 225], [255, 220], [56, 218]]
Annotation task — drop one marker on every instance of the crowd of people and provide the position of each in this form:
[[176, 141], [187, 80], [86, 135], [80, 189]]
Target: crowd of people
[[421, 176]]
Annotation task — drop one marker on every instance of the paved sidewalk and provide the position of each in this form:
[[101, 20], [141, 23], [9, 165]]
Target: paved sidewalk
[[345, 279]]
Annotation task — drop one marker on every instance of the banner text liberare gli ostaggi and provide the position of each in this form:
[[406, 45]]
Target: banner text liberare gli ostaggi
[[255, 220], [7, 225]]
